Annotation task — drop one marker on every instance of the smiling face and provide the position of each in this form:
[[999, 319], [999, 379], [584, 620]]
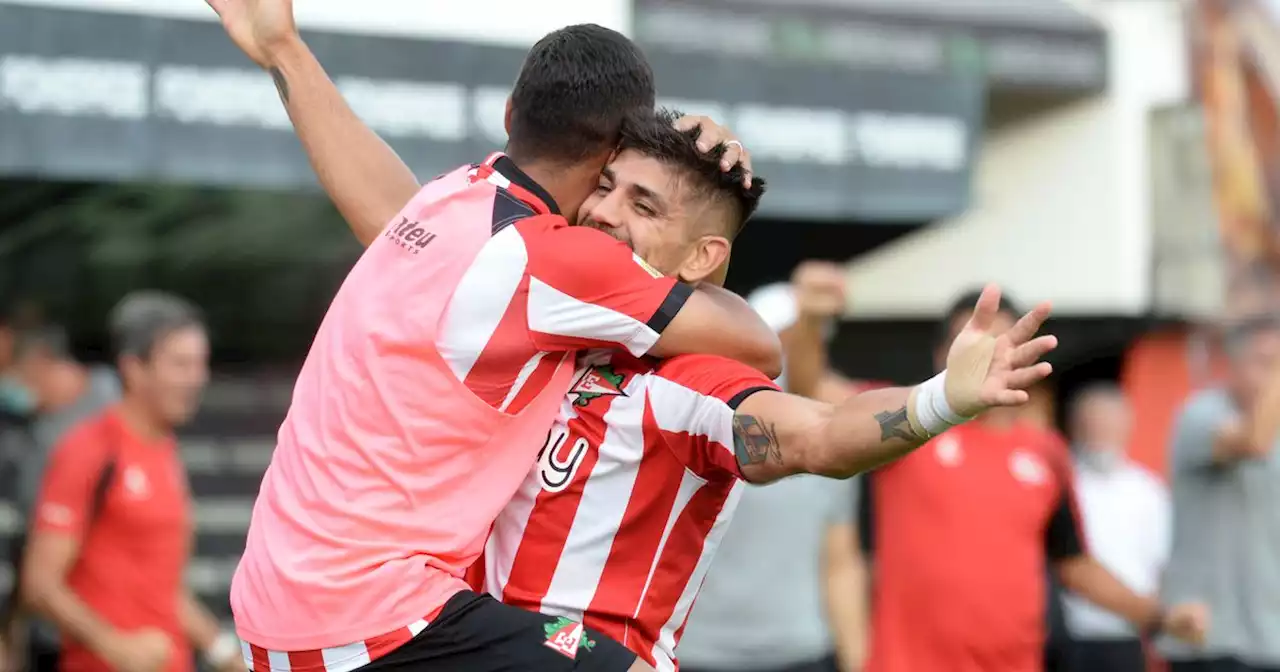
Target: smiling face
[[651, 206]]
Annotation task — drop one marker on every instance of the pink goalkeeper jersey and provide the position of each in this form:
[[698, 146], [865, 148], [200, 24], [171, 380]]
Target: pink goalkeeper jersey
[[425, 397]]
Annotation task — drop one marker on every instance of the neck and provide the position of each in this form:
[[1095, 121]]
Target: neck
[[141, 419], [569, 185], [1001, 418]]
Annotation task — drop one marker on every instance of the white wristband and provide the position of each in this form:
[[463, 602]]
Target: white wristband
[[932, 410], [223, 650]]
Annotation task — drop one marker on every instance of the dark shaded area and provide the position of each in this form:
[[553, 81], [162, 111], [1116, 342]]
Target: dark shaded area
[[768, 250], [263, 265]]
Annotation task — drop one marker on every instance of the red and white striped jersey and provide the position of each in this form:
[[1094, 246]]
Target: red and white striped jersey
[[617, 523]]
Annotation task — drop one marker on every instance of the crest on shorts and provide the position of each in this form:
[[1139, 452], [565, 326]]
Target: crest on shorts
[[596, 382], [566, 637]]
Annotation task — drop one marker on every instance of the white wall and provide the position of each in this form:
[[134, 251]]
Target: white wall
[[500, 22], [1062, 202]]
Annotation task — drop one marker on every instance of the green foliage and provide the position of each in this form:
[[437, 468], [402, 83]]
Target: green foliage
[[262, 264]]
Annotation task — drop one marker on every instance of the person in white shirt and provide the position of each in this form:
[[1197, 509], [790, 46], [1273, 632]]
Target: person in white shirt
[[1126, 514]]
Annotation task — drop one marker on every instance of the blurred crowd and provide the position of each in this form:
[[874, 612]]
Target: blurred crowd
[[102, 495], [1004, 538], [950, 559]]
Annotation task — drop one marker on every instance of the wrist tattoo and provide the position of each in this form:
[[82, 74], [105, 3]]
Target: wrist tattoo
[[894, 425], [282, 85], [754, 442]]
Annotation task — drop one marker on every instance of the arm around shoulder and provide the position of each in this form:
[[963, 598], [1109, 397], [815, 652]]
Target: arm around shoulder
[[718, 322]]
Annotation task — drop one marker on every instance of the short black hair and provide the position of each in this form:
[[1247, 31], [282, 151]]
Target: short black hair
[[656, 136], [142, 319], [964, 304], [575, 89]]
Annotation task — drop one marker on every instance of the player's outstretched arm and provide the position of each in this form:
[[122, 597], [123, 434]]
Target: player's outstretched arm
[[363, 176], [715, 321], [777, 435]]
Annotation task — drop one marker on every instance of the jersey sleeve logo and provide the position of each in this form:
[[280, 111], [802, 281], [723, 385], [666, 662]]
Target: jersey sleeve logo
[[566, 637], [1027, 468], [596, 382], [409, 235]]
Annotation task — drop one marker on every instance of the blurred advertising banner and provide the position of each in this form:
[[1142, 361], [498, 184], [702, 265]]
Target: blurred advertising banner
[[121, 96], [510, 23], [1236, 68], [1018, 44]]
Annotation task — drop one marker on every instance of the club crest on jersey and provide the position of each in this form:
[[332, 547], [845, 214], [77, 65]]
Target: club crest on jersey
[[566, 637], [596, 382]]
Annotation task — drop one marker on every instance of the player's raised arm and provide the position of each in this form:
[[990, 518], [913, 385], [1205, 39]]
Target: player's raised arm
[[777, 435], [363, 176]]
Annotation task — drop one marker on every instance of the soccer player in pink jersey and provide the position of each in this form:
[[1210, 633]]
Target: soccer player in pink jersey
[[442, 361]]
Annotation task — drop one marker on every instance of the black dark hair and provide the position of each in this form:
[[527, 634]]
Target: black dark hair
[[577, 86], [143, 319], [964, 304], [655, 136]]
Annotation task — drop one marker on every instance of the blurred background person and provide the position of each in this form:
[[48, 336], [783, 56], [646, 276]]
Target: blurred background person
[[1226, 499], [52, 392], [1126, 512], [804, 312], [787, 591], [793, 543], [981, 511], [111, 532]]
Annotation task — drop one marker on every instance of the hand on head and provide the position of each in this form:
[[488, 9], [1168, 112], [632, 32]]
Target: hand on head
[[713, 135]]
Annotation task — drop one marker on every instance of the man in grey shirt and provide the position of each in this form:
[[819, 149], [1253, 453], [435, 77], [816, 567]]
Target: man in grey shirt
[[1226, 503], [787, 590], [59, 392], [62, 392], [788, 564]]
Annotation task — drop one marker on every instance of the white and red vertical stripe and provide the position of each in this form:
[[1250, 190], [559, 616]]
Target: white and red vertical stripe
[[625, 544], [539, 285], [336, 659]]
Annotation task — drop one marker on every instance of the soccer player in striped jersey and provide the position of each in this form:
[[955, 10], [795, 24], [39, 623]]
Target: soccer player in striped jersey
[[616, 525]]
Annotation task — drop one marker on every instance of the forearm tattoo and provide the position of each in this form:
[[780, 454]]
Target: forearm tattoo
[[754, 442], [282, 85], [894, 425]]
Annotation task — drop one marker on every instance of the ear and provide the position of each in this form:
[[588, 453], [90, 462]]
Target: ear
[[130, 368], [506, 118], [707, 255]]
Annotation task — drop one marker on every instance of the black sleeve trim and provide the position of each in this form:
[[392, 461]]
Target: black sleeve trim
[[866, 516], [740, 397], [670, 306], [1062, 538]]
